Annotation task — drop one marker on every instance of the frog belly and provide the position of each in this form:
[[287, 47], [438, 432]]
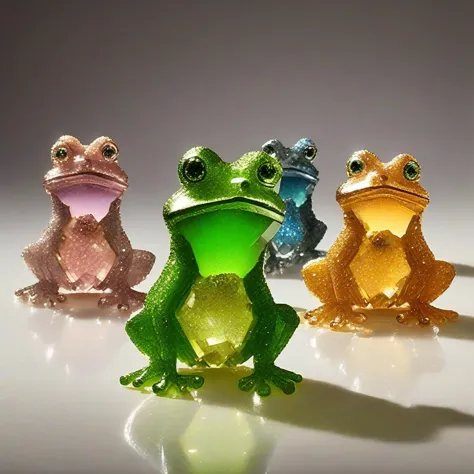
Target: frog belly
[[216, 318], [84, 253], [380, 268]]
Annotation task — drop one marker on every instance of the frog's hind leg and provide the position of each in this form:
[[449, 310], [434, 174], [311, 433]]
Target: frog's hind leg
[[264, 359], [142, 263], [46, 290], [441, 276], [338, 316]]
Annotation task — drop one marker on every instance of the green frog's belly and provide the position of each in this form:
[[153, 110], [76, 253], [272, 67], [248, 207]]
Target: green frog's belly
[[381, 269], [217, 318]]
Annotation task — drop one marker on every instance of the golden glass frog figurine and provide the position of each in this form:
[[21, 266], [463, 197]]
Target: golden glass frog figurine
[[380, 261]]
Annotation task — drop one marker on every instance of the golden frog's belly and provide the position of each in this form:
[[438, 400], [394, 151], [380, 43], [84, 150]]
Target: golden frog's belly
[[216, 318], [84, 253], [381, 268]]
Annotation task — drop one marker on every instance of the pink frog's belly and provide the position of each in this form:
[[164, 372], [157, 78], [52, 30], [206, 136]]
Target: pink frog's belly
[[84, 253]]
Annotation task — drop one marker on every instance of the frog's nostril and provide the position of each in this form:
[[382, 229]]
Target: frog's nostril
[[244, 185], [384, 177], [242, 182]]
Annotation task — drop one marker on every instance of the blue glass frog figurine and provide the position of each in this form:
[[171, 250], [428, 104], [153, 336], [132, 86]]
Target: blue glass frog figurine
[[296, 241]]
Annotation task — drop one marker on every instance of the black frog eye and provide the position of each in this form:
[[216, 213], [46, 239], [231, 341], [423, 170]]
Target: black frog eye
[[110, 152], [194, 169], [269, 150], [310, 152], [267, 173], [411, 171], [60, 154], [355, 166]]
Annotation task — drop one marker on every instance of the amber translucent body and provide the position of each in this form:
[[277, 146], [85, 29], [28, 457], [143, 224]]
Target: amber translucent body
[[380, 259]]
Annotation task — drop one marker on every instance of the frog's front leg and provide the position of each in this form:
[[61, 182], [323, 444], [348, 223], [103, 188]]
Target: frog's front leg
[[123, 272], [275, 325], [430, 278], [339, 293], [273, 336], [156, 332], [161, 344]]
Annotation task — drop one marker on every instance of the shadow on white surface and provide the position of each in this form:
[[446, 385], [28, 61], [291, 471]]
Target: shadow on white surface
[[463, 270], [462, 329], [388, 363], [220, 416]]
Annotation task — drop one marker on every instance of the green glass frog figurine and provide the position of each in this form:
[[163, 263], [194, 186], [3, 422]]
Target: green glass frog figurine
[[211, 306]]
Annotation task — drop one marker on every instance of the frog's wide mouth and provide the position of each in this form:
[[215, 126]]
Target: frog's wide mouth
[[95, 178], [237, 203], [405, 197]]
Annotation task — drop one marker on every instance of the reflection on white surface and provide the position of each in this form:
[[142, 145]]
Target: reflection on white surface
[[192, 437], [77, 337], [388, 363]]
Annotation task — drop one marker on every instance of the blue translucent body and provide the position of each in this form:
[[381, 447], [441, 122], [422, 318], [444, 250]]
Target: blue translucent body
[[294, 188], [294, 191]]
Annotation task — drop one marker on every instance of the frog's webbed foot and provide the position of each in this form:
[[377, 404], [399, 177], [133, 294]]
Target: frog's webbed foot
[[184, 383], [427, 315], [337, 317], [43, 293], [167, 379], [125, 299], [264, 375]]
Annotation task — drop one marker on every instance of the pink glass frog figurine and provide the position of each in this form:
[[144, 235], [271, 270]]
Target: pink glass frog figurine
[[84, 248]]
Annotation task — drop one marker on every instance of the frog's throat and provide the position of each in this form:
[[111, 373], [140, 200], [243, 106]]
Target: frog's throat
[[413, 201], [98, 179], [297, 173], [239, 203]]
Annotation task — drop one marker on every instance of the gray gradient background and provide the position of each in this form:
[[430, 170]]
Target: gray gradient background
[[161, 77]]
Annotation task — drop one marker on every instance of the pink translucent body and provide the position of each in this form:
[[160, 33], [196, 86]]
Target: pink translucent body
[[84, 253]]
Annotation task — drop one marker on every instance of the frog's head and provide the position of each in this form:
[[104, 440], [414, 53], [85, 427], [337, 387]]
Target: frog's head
[[86, 178], [369, 178], [228, 212], [208, 184], [297, 161]]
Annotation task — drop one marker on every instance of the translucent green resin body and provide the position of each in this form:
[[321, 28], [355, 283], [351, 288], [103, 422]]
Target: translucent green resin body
[[211, 305]]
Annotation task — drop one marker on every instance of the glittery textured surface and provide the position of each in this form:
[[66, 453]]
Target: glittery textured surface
[[84, 247], [214, 308], [225, 318], [301, 232], [380, 260]]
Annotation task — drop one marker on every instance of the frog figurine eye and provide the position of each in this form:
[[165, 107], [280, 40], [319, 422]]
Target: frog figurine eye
[[310, 153], [411, 171], [355, 166], [59, 154], [194, 169], [269, 150], [110, 151], [268, 174]]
